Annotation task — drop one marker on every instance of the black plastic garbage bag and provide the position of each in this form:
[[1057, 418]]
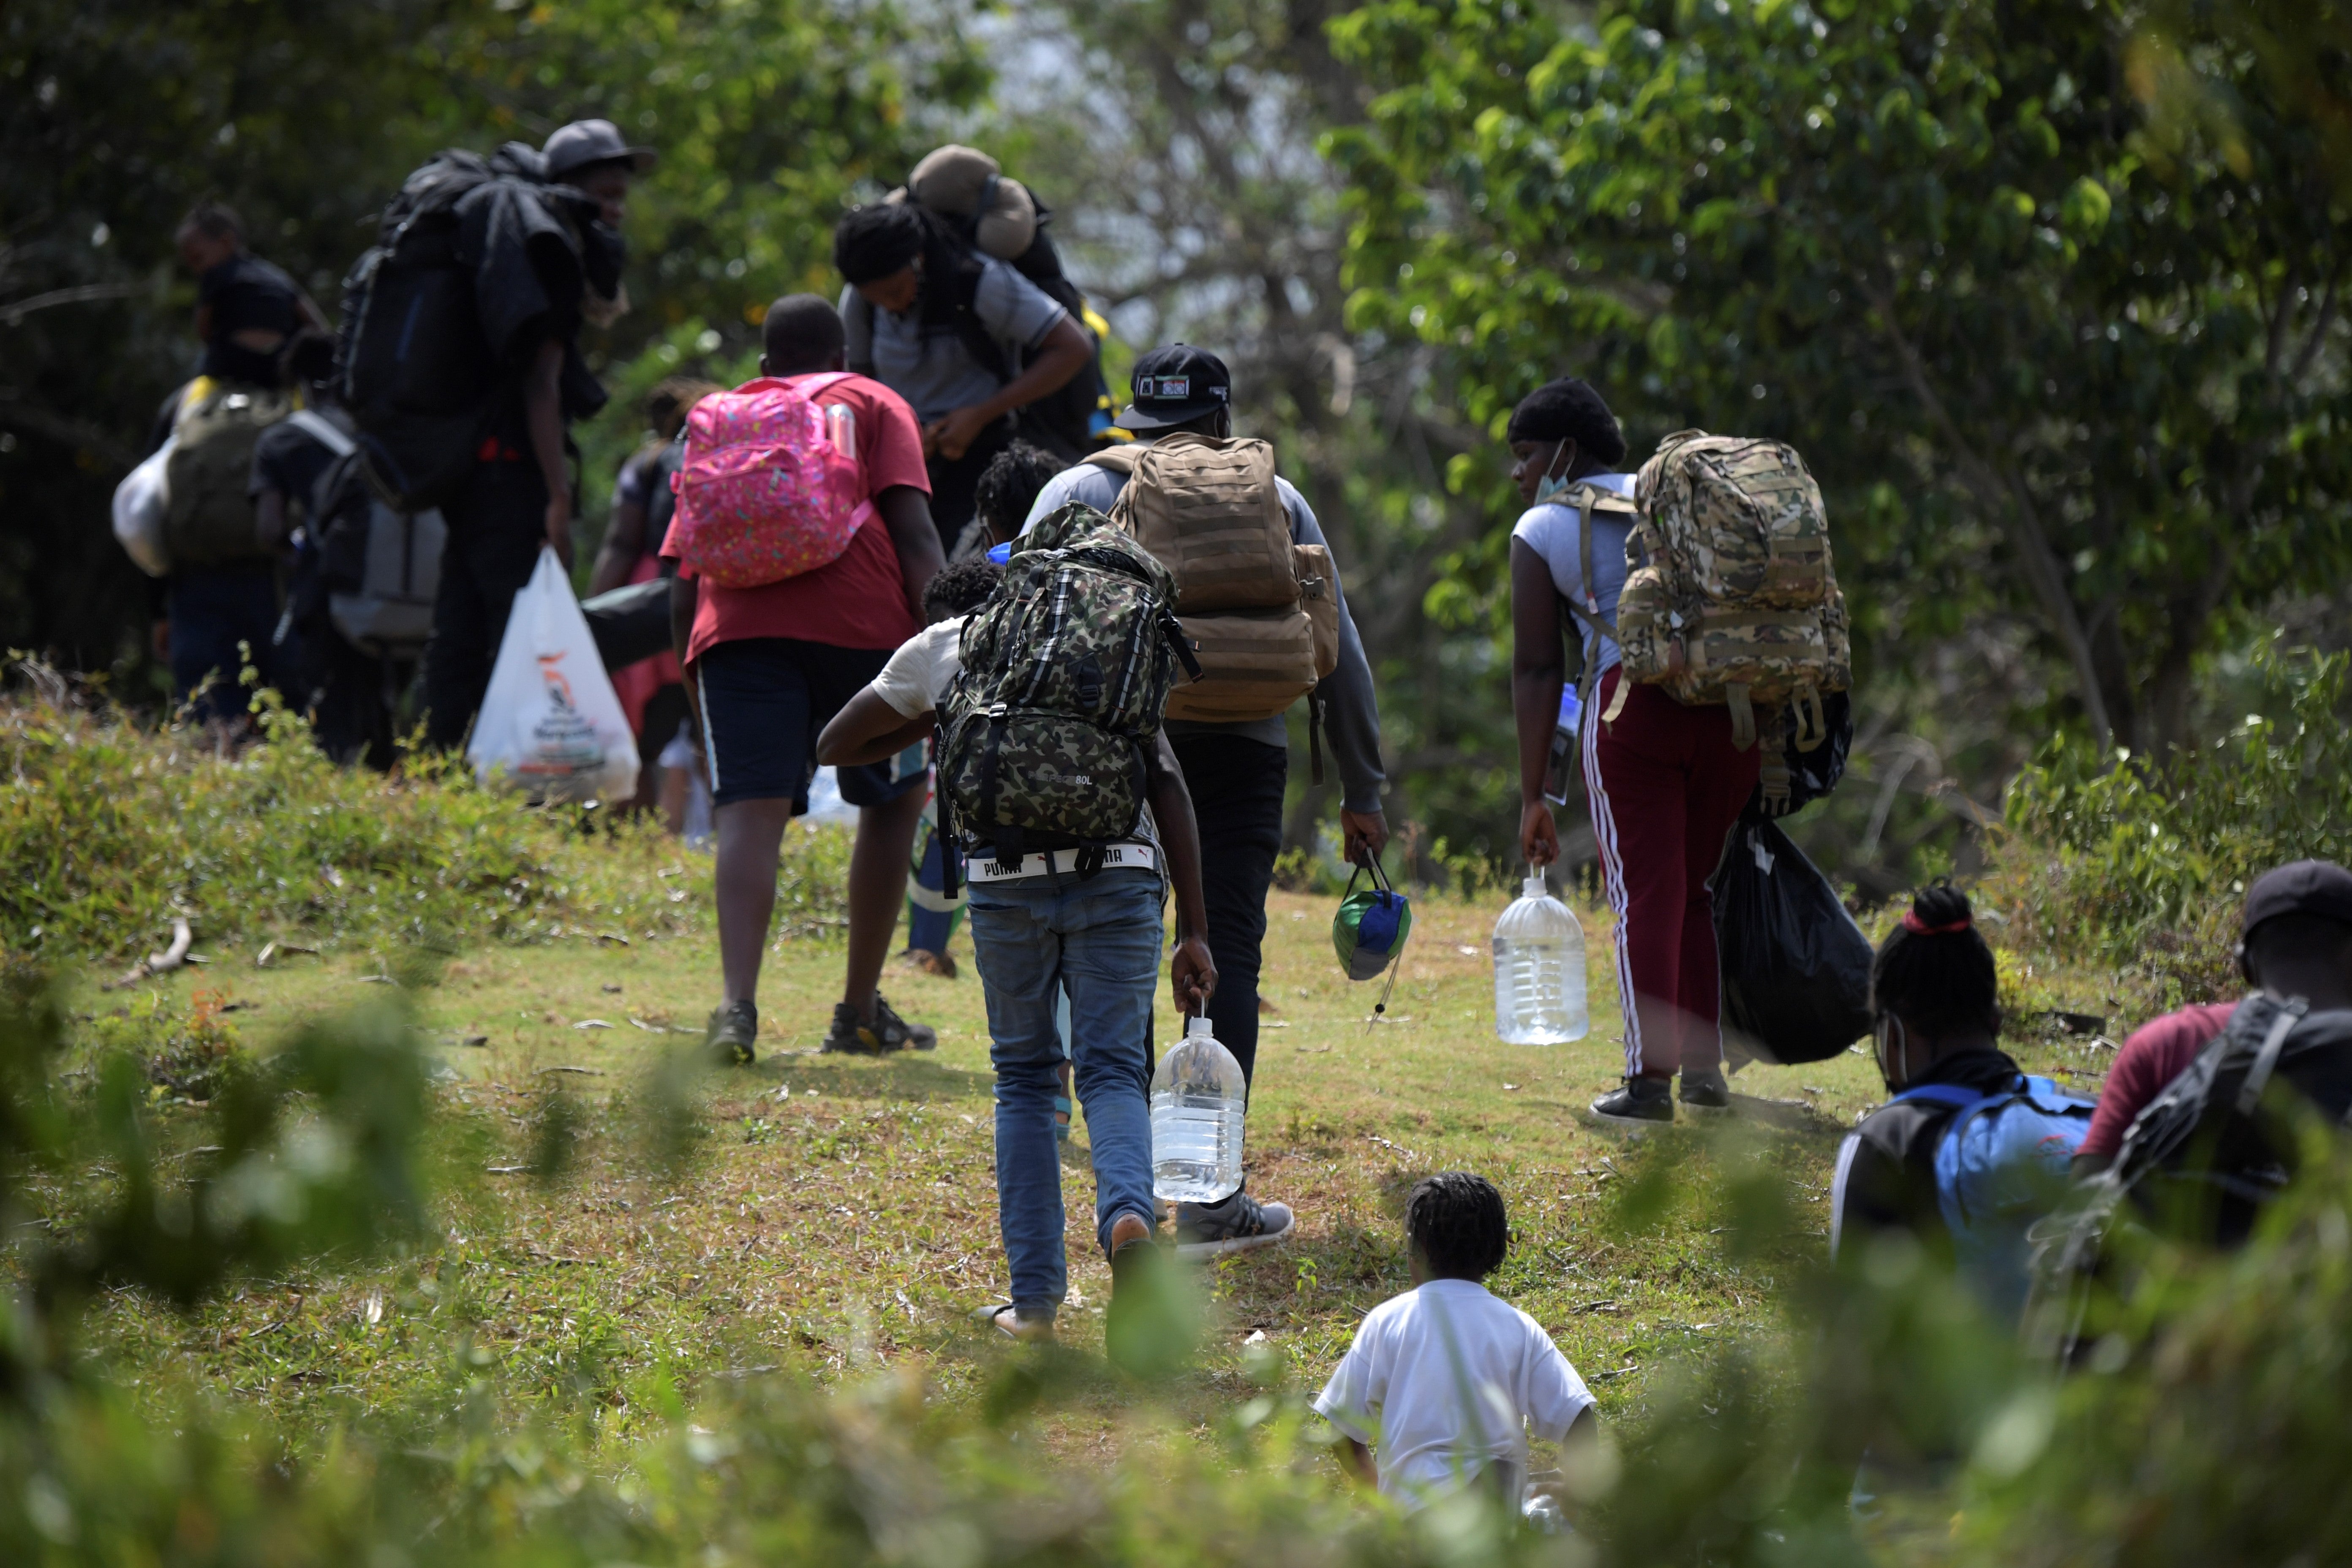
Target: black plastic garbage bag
[[1796, 969]]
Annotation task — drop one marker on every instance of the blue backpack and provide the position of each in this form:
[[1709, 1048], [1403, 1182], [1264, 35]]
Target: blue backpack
[[2002, 1166]]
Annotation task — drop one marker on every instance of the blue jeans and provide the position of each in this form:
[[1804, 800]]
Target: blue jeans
[[1101, 940], [213, 609]]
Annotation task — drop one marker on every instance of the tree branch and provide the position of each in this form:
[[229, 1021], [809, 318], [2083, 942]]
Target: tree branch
[[15, 314], [14, 410], [2013, 507]]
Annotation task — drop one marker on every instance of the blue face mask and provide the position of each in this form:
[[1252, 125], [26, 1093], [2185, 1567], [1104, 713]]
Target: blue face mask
[[1550, 485]]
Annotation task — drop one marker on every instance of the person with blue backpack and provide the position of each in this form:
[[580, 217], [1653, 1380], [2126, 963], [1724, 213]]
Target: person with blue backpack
[[1969, 1150]]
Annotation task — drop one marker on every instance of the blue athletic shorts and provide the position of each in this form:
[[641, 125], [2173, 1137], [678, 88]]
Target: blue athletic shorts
[[764, 701]]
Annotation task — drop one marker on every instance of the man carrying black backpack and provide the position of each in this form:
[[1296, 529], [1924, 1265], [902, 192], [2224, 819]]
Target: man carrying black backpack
[[535, 243]]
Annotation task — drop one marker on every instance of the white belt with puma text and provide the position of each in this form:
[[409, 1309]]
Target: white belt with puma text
[[980, 867]]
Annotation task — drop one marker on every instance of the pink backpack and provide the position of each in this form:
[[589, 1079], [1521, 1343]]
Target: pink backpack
[[764, 494]]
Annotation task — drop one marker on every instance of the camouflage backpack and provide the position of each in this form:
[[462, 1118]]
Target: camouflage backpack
[[1730, 597], [1067, 671]]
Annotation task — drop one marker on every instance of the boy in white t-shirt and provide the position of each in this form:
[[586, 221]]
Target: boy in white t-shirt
[[1446, 1382]]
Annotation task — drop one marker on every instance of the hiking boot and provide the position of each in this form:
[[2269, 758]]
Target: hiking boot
[[733, 1031], [1705, 1093], [1148, 1328], [888, 1032], [1642, 1102], [1238, 1224]]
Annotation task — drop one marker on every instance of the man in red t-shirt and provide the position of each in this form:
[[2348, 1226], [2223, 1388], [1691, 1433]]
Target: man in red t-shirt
[[2156, 1054], [768, 667]]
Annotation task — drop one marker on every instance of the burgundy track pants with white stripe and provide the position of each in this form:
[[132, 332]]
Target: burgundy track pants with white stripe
[[1666, 785]]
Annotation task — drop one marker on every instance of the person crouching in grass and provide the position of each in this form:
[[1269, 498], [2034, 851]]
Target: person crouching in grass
[[1446, 1382]]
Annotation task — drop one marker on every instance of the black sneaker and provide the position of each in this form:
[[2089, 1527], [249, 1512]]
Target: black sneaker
[[1642, 1102], [1148, 1328], [733, 1029], [888, 1032], [1705, 1093], [1238, 1224]]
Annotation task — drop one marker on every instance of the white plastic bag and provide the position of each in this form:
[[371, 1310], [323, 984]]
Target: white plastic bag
[[549, 722], [140, 501]]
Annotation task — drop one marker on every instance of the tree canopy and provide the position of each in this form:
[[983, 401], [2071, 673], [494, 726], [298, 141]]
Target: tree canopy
[[2045, 365]]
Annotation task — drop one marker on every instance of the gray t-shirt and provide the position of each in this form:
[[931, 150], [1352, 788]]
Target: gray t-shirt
[[930, 365], [1351, 715]]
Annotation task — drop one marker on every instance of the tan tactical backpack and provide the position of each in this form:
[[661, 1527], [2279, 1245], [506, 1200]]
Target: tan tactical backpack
[[1260, 613], [1731, 597]]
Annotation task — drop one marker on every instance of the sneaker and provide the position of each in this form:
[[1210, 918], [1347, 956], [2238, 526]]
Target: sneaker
[[733, 1028], [1642, 1102], [1705, 1093], [888, 1032], [1029, 1328], [1149, 1327], [1238, 1224]]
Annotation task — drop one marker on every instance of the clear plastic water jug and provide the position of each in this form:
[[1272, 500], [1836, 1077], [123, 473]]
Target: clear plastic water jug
[[1197, 1099], [1538, 970]]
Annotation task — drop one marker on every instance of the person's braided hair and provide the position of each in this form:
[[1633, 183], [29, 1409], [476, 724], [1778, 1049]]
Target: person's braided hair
[[871, 242], [1934, 969], [1568, 410], [1458, 1221]]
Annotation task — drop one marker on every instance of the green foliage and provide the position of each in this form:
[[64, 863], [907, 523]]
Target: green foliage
[[2041, 380], [2125, 859], [112, 829], [306, 118]]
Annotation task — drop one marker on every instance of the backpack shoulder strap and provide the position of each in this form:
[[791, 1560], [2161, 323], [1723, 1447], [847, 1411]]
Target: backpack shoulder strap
[[1119, 459], [321, 429], [2258, 1077], [816, 384]]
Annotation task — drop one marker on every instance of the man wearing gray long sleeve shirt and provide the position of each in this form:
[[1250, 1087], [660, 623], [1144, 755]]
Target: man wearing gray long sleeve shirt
[[1236, 771]]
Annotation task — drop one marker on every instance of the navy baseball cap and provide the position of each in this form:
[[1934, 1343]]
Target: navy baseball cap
[[2319, 888], [1174, 385], [586, 141]]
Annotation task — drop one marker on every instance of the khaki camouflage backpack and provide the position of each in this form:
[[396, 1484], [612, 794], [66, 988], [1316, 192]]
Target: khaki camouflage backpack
[[1260, 613], [1731, 597], [1066, 673]]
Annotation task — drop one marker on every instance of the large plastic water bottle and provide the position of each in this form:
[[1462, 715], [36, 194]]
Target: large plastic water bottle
[[1538, 970], [1197, 1099]]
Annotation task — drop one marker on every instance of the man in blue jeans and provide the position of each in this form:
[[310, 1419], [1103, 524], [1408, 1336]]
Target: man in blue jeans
[[1038, 928]]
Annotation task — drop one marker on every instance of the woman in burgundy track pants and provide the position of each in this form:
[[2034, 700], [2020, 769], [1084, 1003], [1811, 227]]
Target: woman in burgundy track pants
[[1666, 782]]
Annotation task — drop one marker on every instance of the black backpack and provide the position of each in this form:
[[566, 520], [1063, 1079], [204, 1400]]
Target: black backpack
[[2200, 1162], [416, 369]]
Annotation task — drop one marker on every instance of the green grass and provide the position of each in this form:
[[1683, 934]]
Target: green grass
[[838, 1213]]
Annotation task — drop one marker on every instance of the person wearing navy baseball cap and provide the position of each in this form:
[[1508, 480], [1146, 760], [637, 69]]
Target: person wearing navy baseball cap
[[1236, 768], [2294, 943]]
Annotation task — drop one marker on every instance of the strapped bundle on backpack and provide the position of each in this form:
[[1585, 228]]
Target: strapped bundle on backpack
[[2000, 1167], [987, 212], [1260, 613], [379, 566], [207, 511], [764, 491], [1731, 597], [1066, 673], [2201, 1160]]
